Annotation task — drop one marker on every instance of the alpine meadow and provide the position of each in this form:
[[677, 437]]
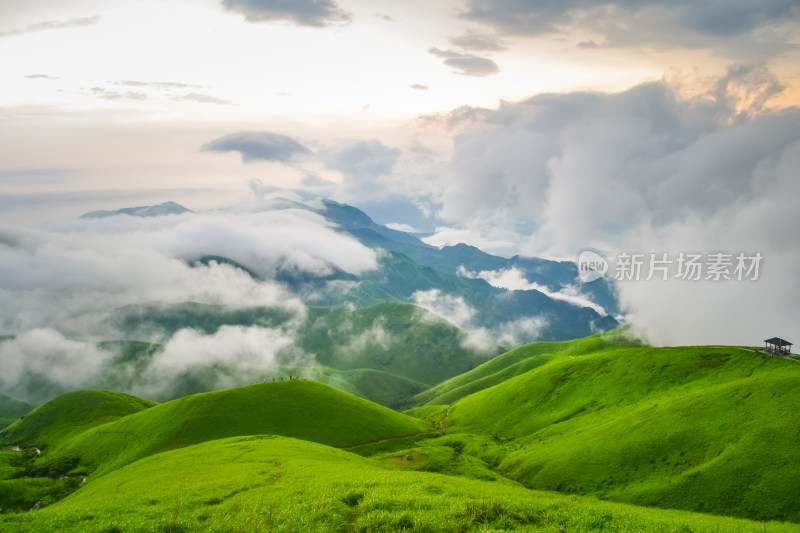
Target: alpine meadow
[[370, 266]]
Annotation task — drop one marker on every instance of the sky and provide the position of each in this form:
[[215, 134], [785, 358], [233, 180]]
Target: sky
[[523, 127]]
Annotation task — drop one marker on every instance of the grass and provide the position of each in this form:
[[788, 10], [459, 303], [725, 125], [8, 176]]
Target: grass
[[695, 429], [297, 408], [516, 362], [281, 484], [709, 429], [11, 409], [377, 386], [70, 414]]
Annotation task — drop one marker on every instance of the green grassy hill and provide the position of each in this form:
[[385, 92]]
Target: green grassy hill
[[711, 429], [72, 413], [376, 386], [11, 409], [298, 408], [279, 484], [515, 362]]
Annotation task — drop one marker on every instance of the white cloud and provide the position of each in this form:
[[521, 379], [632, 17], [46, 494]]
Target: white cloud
[[514, 332], [251, 349], [402, 227], [44, 353], [514, 279], [644, 170], [459, 313], [92, 266], [452, 308]]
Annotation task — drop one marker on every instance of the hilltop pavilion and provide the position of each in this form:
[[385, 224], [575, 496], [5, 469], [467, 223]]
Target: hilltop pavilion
[[778, 346]]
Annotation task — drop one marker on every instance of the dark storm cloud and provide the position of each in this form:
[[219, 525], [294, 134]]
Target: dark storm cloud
[[53, 25], [679, 23], [316, 13], [466, 64], [258, 146]]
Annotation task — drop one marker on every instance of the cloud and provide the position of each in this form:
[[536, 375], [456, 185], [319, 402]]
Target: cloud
[[513, 332], [314, 13], [41, 77], [514, 279], [459, 313], [93, 267], [376, 339], [101, 92], [678, 24], [45, 354], [314, 181], [588, 44], [474, 40], [365, 165], [96, 265], [466, 64], [34, 175], [645, 170], [254, 347], [204, 99], [258, 146], [54, 25], [419, 87], [452, 308], [402, 227], [157, 84]]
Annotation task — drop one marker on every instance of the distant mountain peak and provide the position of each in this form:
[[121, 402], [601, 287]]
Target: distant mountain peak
[[353, 215], [167, 208]]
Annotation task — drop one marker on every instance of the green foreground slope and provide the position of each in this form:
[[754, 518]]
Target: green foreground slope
[[280, 484], [711, 429], [297, 408], [70, 414]]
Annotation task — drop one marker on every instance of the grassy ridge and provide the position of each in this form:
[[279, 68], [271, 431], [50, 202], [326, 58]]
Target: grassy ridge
[[72, 413], [516, 362], [11, 409], [297, 408], [280, 484], [376, 386], [698, 428]]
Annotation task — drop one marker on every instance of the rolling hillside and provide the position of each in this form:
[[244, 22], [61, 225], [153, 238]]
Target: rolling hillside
[[11, 410], [700, 428], [518, 361], [279, 484], [297, 408], [70, 414]]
